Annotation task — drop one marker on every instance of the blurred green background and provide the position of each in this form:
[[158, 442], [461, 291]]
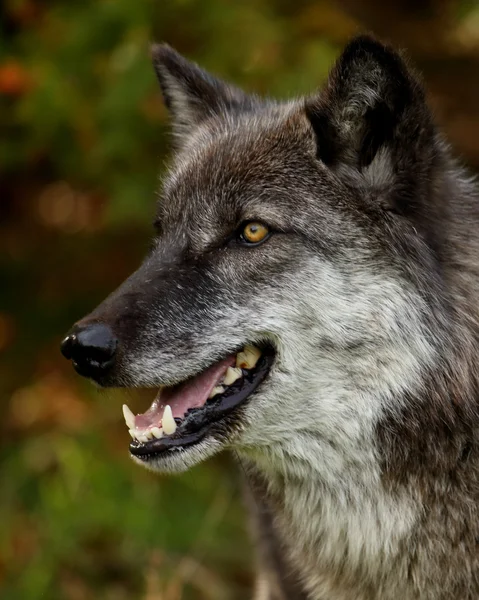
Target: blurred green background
[[83, 139]]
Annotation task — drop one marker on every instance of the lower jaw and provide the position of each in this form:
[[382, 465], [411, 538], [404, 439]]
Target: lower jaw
[[212, 418], [146, 453]]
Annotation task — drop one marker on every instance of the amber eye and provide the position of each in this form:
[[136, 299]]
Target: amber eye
[[254, 232]]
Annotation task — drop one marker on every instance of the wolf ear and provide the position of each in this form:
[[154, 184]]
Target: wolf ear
[[191, 94], [371, 101]]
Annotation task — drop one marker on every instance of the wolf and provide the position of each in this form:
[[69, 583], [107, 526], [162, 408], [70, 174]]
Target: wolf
[[311, 302]]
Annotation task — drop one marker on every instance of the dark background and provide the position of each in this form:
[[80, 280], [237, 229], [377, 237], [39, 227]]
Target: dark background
[[83, 138]]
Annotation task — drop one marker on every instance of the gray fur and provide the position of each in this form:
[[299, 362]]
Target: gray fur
[[361, 448]]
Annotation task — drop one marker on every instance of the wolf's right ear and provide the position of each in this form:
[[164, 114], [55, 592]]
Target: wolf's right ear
[[371, 101], [191, 94]]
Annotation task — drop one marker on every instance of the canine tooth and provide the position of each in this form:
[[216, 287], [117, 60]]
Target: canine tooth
[[232, 374], [168, 422], [157, 432], [129, 417], [132, 432], [248, 358], [219, 389]]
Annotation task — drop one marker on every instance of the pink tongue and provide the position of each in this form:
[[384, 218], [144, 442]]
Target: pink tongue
[[191, 394]]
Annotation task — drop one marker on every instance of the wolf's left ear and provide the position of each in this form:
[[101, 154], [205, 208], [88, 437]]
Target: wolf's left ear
[[191, 94], [371, 101]]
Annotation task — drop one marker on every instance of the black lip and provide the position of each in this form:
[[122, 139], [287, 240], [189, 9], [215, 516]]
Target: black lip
[[196, 425]]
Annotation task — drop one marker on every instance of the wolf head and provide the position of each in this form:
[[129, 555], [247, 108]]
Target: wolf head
[[304, 229]]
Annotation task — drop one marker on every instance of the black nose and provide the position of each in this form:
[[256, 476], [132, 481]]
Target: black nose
[[91, 348]]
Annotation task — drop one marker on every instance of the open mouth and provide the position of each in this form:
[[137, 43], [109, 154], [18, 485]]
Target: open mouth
[[183, 414]]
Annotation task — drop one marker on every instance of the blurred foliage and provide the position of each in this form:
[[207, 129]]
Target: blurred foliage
[[83, 138]]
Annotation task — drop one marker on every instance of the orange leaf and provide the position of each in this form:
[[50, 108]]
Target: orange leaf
[[14, 79]]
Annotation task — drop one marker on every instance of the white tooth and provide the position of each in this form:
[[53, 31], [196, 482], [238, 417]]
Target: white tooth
[[241, 360], [219, 389], [157, 432], [132, 433], [168, 422], [248, 358], [253, 355], [232, 374], [129, 417], [142, 438]]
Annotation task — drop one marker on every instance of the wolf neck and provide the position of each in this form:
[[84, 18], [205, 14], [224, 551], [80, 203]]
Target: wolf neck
[[335, 529], [376, 530], [375, 520]]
